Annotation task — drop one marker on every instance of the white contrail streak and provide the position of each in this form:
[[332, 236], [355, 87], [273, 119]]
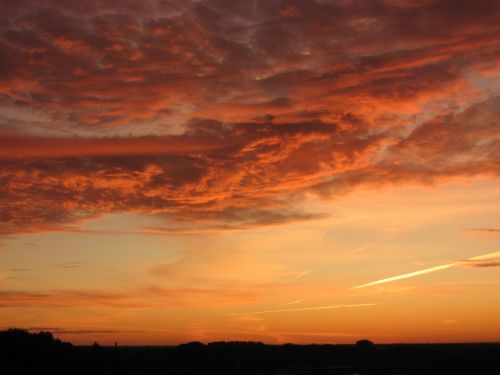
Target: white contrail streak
[[291, 303], [297, 276], [309, 308], [371, 244], [383, 239], [428, 270]]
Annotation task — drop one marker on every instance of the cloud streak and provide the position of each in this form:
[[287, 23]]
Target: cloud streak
[[291, 303], [16, 146], [329, 307], [297, 276]]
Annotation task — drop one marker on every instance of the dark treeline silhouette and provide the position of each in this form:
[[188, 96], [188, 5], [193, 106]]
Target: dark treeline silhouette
[[22, 352]]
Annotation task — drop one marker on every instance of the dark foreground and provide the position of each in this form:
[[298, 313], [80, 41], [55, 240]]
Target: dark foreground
[[26, 353]]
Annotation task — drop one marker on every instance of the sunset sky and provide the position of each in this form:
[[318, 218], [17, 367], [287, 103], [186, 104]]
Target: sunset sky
[[260, 170]]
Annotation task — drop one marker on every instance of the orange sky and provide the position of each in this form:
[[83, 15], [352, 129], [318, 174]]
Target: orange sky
[[282, 171]]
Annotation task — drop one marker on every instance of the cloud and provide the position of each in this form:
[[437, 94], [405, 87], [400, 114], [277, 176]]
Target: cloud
[[329, 307], [484, 263], [273, 165], [488, 230], [70, 265], [481, 232], [16, 146], [218, 115], [117, 65], [487, 265], [145, 297], [470, 282], [64, 331], [242, 220], [212, 187]]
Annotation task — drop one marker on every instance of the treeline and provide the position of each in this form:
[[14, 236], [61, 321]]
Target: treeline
[[22, 352]]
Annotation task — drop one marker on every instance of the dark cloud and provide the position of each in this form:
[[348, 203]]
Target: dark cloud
[[221, 184], [70, 265], [483, 263], [221, 115], [256, 165], [109, 63], [486, 265], [490, 230]]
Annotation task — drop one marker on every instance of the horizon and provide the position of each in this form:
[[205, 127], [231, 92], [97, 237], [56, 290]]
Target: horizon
[[279, 171], [207, 343]]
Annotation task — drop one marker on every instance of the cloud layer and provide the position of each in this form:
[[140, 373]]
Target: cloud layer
[[220, 115]]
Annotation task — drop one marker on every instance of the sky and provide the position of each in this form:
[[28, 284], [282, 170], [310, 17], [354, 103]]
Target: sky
[[307, 171]]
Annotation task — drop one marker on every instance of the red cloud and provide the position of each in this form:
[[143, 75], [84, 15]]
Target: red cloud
[[222, 114]]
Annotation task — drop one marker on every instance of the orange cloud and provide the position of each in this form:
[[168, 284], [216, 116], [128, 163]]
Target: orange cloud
[[223, 115], [214, 175], [147, 297], [29, 146]]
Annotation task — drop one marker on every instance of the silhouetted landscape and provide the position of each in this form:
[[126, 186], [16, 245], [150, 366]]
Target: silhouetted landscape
[[303, 186], [22, 352]]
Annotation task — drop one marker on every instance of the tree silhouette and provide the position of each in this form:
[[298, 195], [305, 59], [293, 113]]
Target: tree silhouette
[[22, 352]]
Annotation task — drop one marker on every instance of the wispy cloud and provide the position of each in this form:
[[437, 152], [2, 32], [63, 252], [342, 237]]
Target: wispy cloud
[[493, 230], [490, 232], [428, 270], [486, 263], [297, 276], [145, 297], [291, 303], [329, 307], [70, 265], [470, 282]]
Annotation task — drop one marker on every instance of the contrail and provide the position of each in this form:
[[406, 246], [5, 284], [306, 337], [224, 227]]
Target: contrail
[[407, 275], [383, 239], [428, 270], [291, 303], [309, 308], [297, 276], [303, 273], [371, 244]]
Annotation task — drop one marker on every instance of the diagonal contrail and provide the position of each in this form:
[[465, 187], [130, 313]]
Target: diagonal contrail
[[297, 276], [309, 308], [291, 303], [428, 270]]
